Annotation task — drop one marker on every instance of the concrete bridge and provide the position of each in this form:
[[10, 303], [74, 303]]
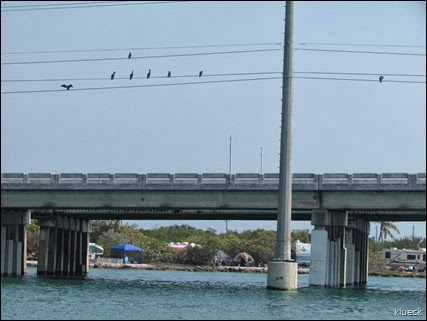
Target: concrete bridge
[[339, 205]]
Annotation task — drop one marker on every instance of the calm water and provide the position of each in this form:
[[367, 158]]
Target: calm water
[[138, 294]]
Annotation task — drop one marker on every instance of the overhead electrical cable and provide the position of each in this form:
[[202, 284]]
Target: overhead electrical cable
[[357, 79], [355, 44], [141, 86], [92, 6], [205, 82], [364, 52], [216, 75], [59, 4], [201, 46], [144, 57], [144, 48]]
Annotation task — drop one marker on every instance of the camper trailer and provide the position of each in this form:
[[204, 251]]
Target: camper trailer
[[302, 253], [410, 260]]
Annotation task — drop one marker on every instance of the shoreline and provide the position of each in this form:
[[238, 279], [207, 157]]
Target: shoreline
[[208, 268], [191, 268]]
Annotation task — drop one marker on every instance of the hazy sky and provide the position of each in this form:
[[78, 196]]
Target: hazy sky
[[348, 126]]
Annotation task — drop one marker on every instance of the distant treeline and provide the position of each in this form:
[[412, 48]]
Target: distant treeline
[[154, 242]]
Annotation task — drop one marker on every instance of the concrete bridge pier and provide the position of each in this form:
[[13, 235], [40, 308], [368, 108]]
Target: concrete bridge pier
[[357, 243], [14, 241], [339, 250], [328, 259], [63, 246]]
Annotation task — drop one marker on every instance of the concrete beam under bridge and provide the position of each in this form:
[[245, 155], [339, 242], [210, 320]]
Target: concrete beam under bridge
[[63, 246], [186, 214], [212, 199], [14, 241], [339, 250]]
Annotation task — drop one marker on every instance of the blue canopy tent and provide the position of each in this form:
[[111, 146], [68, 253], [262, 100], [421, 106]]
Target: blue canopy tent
[[128, 252]]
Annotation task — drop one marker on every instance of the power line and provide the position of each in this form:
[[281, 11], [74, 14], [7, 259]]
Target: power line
[[357, 79], [354, 44], [358, 73], [144, 77], [144, 48], [214, 75], [144, 57], [141, 86], [205, 82], [59, 4], [204, 54], [365, 52], [202, 46], [92, 6]]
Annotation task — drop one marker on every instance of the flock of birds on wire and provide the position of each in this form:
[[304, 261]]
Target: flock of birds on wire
[[149, 74], [130, 76]]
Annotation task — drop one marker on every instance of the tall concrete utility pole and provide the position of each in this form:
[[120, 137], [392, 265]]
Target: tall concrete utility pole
[[282, 272]]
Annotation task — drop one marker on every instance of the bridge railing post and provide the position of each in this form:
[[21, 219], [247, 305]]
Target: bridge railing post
[[412, 179], [54, 179], [319, 179]]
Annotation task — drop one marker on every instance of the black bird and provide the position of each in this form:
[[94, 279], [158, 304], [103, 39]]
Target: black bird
[[131, 75], [200, 73], [67, 86], [112, 75], [149, 73], [130, 55], [381, 78], [169, 74]]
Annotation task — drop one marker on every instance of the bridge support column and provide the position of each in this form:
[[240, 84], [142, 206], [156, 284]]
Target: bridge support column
[[339, 250], [63, 246], [14, 242], [328, 259], [357, 242]]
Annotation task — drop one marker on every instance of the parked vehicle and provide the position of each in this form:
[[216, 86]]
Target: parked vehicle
[[410, 260], [302, 253]]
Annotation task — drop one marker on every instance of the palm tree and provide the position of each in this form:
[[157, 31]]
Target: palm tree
[[116, 224], [385, 231]]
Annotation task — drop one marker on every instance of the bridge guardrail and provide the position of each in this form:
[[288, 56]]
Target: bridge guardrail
[[308, 179]]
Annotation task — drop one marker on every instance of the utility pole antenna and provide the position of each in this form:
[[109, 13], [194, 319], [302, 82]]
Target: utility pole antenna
[[260, 153]]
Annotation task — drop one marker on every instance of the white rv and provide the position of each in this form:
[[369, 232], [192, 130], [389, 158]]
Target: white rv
[[302, 253], [405, 258]]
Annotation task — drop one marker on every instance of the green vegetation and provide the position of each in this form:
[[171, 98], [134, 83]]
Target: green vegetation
[[259, 243], [386, 229]]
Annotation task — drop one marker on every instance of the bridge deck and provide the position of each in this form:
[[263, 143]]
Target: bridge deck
[[397, 196]]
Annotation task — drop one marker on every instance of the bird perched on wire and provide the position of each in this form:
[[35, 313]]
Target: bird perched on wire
[[169, 74], [381, 78], [67, 86], [149, 73], [129, 55], [112, 75], [131, 75], [200, 73]]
